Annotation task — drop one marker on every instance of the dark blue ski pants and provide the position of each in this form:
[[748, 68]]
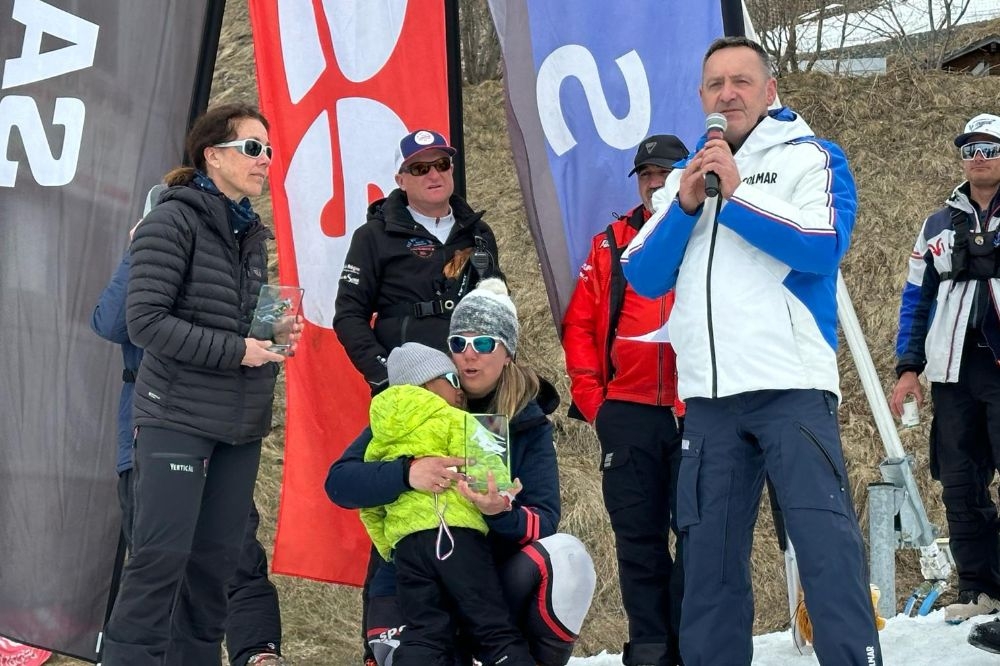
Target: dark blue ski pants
[[728, 445]]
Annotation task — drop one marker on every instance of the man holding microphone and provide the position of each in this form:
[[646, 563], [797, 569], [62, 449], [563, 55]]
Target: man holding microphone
[[754, 271]]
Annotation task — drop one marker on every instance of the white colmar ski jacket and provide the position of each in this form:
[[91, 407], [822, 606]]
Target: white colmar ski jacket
[[756, 280]]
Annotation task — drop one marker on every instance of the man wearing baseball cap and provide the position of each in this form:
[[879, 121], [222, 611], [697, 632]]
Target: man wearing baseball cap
[[627, 390], [954, 273], [420, 251]]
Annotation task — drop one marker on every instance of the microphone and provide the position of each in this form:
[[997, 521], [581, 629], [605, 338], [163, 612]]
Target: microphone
[[715, 126]]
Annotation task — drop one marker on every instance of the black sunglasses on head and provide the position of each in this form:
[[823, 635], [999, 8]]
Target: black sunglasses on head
[[249, 147], [418, 169]]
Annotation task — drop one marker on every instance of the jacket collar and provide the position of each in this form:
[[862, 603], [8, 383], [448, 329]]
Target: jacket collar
[[637, 217], [392, 211], [777, 127], [961, 198]]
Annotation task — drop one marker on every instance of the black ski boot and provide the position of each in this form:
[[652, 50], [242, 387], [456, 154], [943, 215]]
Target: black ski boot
[[986, 636]]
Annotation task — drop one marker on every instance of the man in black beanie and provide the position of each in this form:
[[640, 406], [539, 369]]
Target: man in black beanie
[[627, 390]]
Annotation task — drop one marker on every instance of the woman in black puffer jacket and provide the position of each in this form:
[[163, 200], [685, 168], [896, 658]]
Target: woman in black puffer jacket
[[203, 394]]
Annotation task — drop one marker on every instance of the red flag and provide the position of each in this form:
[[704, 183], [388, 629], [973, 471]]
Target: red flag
[[340, 91]]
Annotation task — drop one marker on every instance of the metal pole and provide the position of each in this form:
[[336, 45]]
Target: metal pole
[[882, 544], [866, 372], [933, 562]]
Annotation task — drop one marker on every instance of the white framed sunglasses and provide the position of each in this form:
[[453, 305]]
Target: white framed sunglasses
[[452, 379], [481, 344], [988, 149], [249, 147]]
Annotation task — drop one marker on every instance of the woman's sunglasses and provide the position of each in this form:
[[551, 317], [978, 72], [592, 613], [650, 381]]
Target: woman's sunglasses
[[452, 379], [249, 147], [481, 344], [418, 169]]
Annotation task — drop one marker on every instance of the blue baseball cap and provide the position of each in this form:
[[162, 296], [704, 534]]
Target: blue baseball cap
[[419, 141]]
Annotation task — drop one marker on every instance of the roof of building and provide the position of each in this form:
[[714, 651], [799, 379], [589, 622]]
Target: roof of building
[[974, 46]]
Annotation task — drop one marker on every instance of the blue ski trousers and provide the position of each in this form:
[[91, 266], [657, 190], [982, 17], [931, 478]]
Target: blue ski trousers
[[728, 445]]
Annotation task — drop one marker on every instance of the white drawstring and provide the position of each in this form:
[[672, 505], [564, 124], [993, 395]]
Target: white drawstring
[[442, 530]]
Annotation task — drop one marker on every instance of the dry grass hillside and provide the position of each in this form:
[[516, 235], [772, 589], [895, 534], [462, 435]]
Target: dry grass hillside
[[896, 129]]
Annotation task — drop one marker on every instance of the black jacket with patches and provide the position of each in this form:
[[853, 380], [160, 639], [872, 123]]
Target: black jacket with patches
[[192, 291], [394, 263]]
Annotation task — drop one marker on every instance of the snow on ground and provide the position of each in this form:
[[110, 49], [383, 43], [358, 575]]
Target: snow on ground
[[906, 641]]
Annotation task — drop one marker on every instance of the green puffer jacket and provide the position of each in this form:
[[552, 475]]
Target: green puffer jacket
[[412, 421]]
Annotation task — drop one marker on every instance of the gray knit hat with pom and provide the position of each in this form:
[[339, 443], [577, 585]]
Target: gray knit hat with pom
[[487, 310], [417, 364]]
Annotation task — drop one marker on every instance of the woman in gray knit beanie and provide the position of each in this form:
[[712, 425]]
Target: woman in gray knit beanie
[[482, 339]]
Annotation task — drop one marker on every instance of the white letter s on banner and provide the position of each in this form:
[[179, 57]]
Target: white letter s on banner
[[576, 61]]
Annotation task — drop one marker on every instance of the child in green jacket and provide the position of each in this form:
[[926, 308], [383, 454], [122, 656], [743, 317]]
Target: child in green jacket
[[420, 415], [439, 586]]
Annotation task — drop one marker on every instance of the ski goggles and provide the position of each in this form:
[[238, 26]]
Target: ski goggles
[[452, 379], [249, 147], [418, 169], [988, 149], [481, 344]]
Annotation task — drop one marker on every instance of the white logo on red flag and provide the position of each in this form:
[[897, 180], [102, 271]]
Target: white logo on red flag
[[341, 81]]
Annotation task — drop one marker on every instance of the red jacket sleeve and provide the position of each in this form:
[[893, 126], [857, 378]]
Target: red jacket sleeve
[[582, 340]]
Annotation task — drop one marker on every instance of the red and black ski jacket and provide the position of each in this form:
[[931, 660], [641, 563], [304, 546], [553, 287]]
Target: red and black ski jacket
[[603, 311]]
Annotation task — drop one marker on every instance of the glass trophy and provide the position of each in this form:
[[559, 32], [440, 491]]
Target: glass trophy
[[277, 308], [487, 449]]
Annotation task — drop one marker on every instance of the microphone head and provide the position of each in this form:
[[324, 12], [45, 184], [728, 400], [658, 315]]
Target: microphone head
[[715, 121]]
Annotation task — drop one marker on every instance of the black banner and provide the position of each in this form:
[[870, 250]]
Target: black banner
[[95, 98]]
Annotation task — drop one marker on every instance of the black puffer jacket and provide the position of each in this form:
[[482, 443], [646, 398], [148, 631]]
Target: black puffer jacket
[[191, 295], [394, 263]]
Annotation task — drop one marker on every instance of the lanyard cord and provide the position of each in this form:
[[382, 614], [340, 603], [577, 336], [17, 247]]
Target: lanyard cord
[[443, 531]]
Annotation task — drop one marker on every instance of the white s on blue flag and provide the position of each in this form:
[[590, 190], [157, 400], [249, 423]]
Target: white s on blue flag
[[586, 81]]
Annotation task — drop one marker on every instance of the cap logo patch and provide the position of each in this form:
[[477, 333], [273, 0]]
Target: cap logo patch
[[423, 138], [650, 146]]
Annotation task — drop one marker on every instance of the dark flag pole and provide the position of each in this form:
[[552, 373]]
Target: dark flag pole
[[206, 58], [732, 18], [454, 50]]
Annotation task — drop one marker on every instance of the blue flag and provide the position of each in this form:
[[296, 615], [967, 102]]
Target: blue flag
[[586, 82]]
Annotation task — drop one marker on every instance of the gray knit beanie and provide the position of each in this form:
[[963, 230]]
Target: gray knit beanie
[[417, 364], [487, 310]]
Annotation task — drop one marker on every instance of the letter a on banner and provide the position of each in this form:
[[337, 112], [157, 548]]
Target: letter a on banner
[[342, 82]]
